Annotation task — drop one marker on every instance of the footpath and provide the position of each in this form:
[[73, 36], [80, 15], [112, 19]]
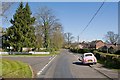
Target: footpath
[[110, 73]]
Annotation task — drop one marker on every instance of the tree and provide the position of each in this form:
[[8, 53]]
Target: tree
[[57, 38], [68, 38], [111, 38], [28, 29], [46, 20], [21, 33], [39, 37]]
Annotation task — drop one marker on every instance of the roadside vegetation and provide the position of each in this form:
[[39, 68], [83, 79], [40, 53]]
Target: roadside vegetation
[[107, 59], [15, 69], [40, 30], [0, 67]]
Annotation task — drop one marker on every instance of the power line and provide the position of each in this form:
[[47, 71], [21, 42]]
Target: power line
[[93, 17]]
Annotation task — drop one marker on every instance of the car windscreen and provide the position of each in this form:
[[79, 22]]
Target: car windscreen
[[88, 55]]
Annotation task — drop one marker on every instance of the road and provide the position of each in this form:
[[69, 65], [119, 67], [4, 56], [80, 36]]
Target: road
[[37, 63], [66, 65]]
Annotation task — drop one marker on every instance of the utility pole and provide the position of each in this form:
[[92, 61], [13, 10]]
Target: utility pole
[[78, 43], [78, 39], [118, 26]]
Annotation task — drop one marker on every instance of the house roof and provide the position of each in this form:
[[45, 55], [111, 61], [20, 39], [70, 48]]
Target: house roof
[[111, 45]]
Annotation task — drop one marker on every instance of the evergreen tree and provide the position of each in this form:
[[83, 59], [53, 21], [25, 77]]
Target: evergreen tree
[[29, 35], [21, 33]]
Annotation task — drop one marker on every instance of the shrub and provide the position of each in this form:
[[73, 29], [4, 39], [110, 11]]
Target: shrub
[[108, 60], [97, 55], [105, 49], [111, 50], [80, 50], [117, 52]]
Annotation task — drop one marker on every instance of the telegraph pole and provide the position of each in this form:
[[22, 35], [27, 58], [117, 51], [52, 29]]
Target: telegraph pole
[[118, 25], [78, 39]]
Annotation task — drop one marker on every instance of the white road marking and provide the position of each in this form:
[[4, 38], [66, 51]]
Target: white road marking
[[45, 66]]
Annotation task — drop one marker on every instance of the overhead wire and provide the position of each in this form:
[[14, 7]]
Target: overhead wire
[[93, 17]]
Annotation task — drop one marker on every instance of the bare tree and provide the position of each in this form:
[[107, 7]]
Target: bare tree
[[46, 20], [57, 38], [39, 38], [111, 38], [68, 38]]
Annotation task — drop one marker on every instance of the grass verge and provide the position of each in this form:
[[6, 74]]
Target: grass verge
[[15, 69], [0, 67]]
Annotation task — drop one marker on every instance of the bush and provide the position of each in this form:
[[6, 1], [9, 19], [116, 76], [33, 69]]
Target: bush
[[117, 52], [80, 50], [97, 55], [105, 49], [108, 60], [111, 50], [83, 50]]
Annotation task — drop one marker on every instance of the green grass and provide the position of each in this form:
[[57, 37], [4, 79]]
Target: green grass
[[0, 67], [23, 55], [15, 69]]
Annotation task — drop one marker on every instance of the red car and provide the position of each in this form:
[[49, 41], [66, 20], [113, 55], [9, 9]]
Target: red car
[[89, 58]]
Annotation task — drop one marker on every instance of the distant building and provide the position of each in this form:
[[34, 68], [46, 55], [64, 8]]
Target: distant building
[[80, 45], [96, 44], [27, 49], [111, 45]]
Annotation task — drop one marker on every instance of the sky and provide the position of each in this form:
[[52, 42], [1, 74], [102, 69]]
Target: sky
[[74, 17]]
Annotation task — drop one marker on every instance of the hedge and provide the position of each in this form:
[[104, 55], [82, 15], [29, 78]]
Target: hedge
[[117, 52], [80, 50], [109, 60]]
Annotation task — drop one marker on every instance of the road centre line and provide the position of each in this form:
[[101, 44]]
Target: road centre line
[[46, 65]]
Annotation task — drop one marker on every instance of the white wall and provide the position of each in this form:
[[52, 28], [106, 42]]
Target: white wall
[[25, 52]]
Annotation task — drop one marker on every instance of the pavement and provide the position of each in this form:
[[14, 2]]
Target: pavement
[[109, 73]]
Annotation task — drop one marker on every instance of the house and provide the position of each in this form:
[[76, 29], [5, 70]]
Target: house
[[96, 44], [81, 45], [111, 46], [27, 49]]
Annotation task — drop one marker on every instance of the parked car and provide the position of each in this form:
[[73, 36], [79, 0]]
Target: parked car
[[88, 58]]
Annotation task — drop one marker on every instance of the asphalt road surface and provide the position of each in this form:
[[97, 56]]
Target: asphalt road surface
[[67, 65], [64, 65], [37, 63]]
